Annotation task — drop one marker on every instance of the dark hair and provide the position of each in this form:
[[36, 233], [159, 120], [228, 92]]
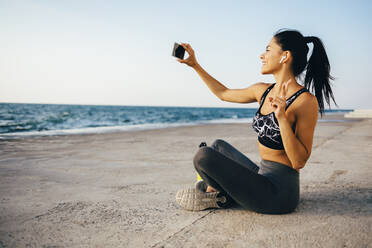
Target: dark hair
[[317, 69]]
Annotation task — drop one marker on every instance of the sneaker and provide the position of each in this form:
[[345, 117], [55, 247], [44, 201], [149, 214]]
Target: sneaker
[[196, 199]]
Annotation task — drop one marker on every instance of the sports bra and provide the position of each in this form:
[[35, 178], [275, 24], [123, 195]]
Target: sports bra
[[267, 126]]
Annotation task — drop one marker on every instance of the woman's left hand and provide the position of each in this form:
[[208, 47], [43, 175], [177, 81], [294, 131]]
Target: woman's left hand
[[279, 102]]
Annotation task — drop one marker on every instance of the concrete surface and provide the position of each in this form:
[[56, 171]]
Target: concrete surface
[[118, 190]]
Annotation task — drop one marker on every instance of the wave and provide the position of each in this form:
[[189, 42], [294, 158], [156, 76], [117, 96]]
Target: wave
[[113, 129]]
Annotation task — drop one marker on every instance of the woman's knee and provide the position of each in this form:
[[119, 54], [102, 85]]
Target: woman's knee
[[203, 156], [218, 142]]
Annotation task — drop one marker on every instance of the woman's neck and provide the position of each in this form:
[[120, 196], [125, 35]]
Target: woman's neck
[[281, 78]]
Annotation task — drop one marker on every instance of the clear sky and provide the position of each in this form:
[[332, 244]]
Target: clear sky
[[119, 52]]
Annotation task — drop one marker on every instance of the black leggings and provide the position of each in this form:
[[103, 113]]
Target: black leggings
[[272, 188]]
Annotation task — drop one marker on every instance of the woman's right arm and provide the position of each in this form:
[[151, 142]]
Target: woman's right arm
[[246, 95]]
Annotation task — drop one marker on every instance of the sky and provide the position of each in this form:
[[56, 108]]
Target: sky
[[119, 52]]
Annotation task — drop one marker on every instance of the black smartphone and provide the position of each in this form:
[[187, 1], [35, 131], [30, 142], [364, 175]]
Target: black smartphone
[[178, 51]]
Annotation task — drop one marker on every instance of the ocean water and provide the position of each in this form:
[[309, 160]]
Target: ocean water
[[23, 120]]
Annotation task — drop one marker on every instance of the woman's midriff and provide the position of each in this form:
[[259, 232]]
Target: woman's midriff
[[274, 155]]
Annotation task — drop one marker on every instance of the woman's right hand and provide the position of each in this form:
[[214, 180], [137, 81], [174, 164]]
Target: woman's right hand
[[191, 60]]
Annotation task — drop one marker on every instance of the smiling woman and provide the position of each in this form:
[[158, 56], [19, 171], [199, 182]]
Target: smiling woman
[[285, 123]]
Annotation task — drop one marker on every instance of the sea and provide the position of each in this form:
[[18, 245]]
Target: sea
[[21, 120]]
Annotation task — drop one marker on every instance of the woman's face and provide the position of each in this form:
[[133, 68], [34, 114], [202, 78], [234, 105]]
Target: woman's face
[[271, 58]]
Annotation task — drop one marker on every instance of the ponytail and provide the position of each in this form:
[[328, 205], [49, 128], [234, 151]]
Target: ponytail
[[317, 77]]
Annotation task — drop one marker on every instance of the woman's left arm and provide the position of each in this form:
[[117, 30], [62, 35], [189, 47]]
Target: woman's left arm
[[298, 145]]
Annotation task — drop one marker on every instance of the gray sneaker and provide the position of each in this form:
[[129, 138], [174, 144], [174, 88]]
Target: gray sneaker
[[196, 199]]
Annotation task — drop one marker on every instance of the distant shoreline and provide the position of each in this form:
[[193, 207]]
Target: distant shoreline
[[327, 117]]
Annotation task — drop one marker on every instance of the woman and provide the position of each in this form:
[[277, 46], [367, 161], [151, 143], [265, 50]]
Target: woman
[[285, 123]]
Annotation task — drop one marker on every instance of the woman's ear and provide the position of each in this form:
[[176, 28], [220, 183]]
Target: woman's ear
[[285, 56], [288, 55]]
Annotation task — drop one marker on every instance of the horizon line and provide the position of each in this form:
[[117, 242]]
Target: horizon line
[[176, 106]]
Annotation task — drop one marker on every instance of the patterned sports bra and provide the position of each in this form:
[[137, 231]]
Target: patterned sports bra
[[267, 126]]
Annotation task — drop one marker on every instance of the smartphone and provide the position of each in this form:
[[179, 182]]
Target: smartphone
[[178, 51]]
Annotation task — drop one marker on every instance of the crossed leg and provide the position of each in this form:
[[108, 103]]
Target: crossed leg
[[233, 174]]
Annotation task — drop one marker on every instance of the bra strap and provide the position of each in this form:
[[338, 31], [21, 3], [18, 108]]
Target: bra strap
[[263, 97], [293, 98]]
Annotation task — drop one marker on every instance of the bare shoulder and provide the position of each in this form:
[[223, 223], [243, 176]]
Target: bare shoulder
[[259, 89], [307, 105], [310, 101], [261, 85]]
